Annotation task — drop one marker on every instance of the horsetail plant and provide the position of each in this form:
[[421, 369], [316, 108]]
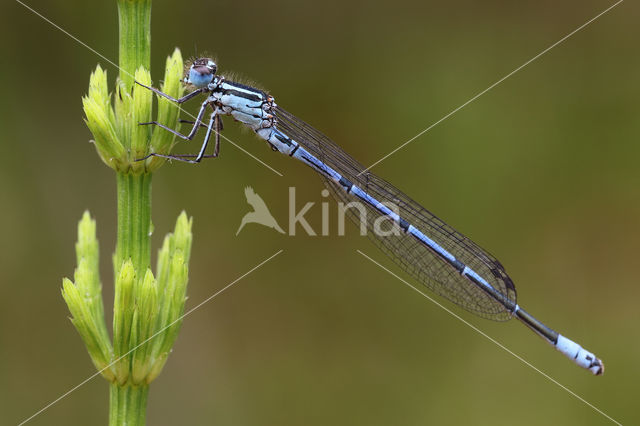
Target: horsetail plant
[[147, 308]]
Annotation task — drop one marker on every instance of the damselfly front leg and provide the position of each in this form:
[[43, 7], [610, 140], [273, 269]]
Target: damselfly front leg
[[181, 100]]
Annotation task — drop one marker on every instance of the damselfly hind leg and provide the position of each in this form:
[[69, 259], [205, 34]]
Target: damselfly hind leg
[[179, 157]]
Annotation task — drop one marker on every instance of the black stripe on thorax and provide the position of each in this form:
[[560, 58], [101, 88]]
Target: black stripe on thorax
[[254, 95]]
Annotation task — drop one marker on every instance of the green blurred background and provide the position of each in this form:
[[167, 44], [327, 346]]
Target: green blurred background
[[542, 171]]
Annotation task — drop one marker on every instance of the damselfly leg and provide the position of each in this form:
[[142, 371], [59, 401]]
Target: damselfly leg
[[185, 158], [181, 100], [194, 129], [214, 123], [193, 122]]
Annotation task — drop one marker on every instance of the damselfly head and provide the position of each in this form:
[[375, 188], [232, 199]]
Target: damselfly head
[[201, 72]]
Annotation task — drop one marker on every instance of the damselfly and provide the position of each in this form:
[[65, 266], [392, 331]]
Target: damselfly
[[428, 249]]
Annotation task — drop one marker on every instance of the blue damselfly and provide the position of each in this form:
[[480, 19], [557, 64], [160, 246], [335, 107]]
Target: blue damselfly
[[428, 249]]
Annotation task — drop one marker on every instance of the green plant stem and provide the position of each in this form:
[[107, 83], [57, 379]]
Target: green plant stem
[[127, 405], [134, 221], [135, 37]]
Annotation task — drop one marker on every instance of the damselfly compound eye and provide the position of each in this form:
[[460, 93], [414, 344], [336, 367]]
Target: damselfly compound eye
[[201, 72]]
